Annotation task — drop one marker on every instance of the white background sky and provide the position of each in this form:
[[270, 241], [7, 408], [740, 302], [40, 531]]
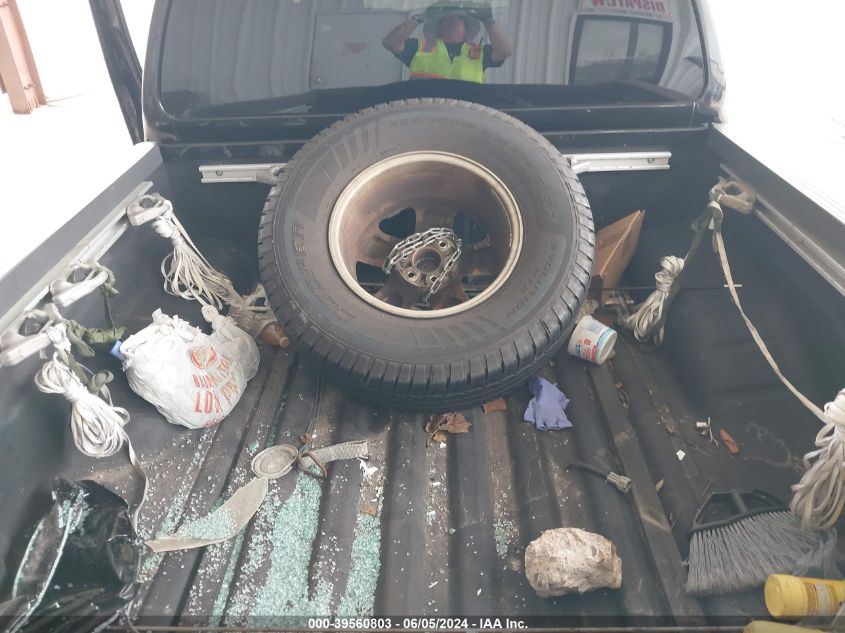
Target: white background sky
[[783, 61]]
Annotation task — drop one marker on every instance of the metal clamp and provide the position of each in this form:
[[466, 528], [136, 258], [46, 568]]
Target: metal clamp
[[734, 194], [28, 335], [78, 281], [147, 208]]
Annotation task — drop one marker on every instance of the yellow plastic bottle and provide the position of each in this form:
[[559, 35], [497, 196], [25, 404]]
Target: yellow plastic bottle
[[796, 597], [764, 626]]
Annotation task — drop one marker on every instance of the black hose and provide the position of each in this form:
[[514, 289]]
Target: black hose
[[588, 468]]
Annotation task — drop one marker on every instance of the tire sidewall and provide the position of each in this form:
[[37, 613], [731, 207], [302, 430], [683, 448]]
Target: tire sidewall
[[521, 159]]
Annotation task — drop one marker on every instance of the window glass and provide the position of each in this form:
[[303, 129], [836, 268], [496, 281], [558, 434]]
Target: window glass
[[619, 50], [603, 51], [223, 57], [648, 51]]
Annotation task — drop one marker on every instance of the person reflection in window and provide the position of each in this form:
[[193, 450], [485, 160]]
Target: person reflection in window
[[447, 49]]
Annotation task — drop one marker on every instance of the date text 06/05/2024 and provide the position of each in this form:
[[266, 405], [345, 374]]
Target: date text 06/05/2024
[[424, 623]]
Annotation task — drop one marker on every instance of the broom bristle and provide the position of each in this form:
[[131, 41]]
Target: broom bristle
[[741, 555]]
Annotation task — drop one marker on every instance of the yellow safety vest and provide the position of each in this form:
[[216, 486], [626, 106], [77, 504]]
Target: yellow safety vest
[[433, 62]]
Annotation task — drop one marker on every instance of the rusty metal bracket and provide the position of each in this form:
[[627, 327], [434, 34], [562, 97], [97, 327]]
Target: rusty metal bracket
[[18, 73]]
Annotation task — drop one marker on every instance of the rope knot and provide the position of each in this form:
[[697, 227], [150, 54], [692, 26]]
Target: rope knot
[[58, 337], [670, 268], [166, 227], [76, 392]]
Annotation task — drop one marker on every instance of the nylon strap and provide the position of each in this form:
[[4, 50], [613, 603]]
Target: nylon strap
[[236, 512], [726, 269], [347, 450]]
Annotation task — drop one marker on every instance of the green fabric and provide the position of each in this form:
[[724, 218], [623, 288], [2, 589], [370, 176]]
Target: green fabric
[[108, 289], [76, 335], [82, 338], [435, 63], [95, 382]]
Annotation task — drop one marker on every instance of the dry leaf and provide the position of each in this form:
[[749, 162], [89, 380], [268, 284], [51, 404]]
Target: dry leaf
[[729, 441], [498, 404], [439, 425], [455, 423], [659, 485]]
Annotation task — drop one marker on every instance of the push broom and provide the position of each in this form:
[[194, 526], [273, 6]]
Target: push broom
[[739, 538]]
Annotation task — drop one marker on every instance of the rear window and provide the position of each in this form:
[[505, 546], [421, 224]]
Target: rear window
[[238, 57], [610, 49]]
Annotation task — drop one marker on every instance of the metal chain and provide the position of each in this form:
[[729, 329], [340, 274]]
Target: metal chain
[[406, 247], [414, 241], [450, 264]]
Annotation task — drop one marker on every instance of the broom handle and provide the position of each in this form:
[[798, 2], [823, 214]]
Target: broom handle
[[739, 502]]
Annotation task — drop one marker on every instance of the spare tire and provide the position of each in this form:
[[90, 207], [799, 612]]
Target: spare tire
[[484, 231]]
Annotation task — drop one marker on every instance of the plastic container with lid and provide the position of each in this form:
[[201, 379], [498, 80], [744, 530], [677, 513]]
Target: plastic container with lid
[[796, 597]]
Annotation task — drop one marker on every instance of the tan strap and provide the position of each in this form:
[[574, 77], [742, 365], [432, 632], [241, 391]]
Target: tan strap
[[726, 269]]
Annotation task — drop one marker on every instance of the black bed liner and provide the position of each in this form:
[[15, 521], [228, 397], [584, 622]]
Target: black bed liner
[[439, 531], [442, 530]]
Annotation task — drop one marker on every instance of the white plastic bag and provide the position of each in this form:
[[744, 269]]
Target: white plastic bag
[[193, 379]]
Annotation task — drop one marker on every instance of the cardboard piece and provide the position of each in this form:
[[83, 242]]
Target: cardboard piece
[[615, 245]]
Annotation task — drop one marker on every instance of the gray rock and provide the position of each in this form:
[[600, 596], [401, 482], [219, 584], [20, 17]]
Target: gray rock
[[566, 560]]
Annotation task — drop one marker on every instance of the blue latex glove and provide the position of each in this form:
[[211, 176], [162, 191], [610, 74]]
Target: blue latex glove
[[546, 408]]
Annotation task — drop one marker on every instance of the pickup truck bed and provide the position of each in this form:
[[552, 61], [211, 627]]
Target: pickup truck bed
[[442, 530]]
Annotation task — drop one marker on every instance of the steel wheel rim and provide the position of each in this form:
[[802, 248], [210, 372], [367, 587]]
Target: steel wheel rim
[[363, 204]]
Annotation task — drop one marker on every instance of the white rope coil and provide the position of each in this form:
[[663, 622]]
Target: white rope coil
[[819, 498], [96, 424], [647, 322], [187, 273]]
